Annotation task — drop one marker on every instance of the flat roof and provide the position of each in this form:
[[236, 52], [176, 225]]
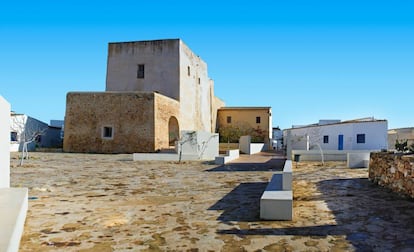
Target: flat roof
[[241, 108], [363, 120], [145, 41]]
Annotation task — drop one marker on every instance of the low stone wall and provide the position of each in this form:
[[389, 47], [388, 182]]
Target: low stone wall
[[394, 171]]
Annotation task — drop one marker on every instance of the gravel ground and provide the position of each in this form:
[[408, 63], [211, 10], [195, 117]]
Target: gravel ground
[[90, 202]]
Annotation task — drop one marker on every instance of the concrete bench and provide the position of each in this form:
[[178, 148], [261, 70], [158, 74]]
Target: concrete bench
[[230, 156], [358, 160], [276, 202], [13, 209]]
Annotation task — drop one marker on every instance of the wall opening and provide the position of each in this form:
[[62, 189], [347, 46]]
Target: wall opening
[[107, 132], [173, 131]]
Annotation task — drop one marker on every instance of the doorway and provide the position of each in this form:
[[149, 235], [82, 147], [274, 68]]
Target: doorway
[[340, 142], [173, 131]]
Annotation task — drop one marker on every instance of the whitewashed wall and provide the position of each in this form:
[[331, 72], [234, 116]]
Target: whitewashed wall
[[23, 124], [4, 143], [195, 91], [375, 136], [203, 144]]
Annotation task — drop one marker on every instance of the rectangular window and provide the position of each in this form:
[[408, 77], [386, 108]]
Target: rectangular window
[[13, 136], [229, 119], [360, 138], [199, 81], [257, 119], [325, 139], [188, 71], [140, 71], [107, 132]]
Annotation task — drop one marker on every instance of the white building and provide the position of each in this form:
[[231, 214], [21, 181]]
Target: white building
[[13, 201], [25, 128], [277, 138], [359, 134]]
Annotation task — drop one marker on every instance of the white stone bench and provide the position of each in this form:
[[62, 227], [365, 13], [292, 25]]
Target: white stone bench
[[13, 209], [276, 202], [230, 156], [358, 160]]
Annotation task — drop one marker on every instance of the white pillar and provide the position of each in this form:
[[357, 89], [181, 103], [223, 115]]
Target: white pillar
[[4, 143], [288, 142]]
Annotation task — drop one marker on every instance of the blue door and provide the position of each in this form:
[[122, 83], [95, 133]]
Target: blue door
[[340, 142]]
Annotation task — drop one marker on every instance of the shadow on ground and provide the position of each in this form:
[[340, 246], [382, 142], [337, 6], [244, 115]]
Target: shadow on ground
[[241, 204], [274, 164], [372, 218]]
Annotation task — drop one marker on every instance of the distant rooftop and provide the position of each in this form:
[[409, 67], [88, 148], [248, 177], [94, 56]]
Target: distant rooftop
[[332, 122]]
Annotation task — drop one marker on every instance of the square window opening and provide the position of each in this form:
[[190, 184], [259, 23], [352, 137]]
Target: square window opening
[[13, 136], [325, 139], [360, 138], [107, 132]]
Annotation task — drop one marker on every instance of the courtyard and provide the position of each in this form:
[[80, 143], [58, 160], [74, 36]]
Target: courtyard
[[92, 202]]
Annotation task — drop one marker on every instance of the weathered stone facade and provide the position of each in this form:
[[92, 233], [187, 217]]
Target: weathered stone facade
[[138, 121], [154, 89], [394, 171], [170, 68]]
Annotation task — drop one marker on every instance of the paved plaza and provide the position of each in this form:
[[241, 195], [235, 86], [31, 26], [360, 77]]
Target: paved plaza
[[90, 202]]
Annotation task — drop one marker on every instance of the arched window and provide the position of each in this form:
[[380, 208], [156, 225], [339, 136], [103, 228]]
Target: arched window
[[173, 130]]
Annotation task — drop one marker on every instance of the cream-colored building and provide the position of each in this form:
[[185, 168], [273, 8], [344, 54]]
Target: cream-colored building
[[400, 134], [257, 120], [154, 89]]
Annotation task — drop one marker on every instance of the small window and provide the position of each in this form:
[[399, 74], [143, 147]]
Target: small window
[[360, 138], [13, 136], [229, 119], [325, 139], [199, 81], [188, 71], [107, 132], [257, 119], [140, 71]]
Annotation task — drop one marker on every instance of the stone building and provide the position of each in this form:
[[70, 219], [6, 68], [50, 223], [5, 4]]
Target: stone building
[[154, 89]]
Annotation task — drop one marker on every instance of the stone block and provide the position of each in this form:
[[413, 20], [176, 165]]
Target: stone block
[[287, 175], [230, 156], [13, 209], [358, 160], [276, 205]]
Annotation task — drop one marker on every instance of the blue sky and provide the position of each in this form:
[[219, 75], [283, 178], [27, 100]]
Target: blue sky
[[308, 60]]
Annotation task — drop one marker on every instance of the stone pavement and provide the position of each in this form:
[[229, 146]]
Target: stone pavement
[[86, 202]]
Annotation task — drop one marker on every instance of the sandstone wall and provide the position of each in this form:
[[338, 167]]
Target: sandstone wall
[[394, 171], [160, 59], [131, 116], [165, 108]]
